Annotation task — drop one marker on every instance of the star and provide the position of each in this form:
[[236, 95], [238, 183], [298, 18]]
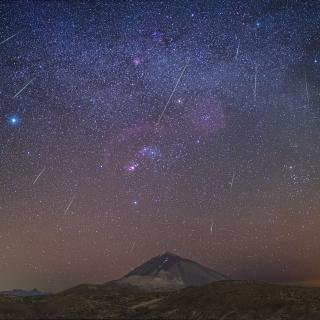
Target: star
[[136, 61], [132, 167], [149, 152]]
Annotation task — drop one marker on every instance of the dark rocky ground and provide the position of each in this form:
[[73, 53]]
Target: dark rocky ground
[[223, 300]]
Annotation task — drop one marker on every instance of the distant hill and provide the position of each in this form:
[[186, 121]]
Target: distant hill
[[170, 272], [22, 293]]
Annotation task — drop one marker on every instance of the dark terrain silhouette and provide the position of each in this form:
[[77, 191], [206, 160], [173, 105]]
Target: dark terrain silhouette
[[218, 300]]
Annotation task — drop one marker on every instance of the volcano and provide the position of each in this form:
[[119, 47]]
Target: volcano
[[170, 272]]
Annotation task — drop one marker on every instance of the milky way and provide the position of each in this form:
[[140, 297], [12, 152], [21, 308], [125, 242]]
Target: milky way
[[130, 128]]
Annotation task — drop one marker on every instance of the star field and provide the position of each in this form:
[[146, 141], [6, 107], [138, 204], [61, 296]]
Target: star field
[[130, 128]]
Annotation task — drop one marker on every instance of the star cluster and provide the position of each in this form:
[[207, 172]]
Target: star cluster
[[129, 128]]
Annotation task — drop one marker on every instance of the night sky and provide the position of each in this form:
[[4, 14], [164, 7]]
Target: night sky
[[131, 128]]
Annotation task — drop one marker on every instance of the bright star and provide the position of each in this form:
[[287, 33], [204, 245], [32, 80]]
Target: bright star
[[13, 120]]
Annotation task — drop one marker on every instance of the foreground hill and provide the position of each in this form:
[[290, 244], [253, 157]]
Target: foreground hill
[[224, 300]]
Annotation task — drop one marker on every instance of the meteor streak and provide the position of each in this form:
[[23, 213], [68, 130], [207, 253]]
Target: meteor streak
[[173, 91], [20, 91], [232, 180], [69, 205], [39, 175], [237, 51], [5, 40]]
